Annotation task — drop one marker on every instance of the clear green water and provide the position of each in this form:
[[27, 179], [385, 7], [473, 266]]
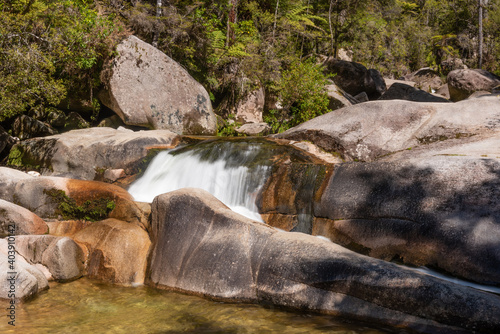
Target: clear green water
[[86, 306]]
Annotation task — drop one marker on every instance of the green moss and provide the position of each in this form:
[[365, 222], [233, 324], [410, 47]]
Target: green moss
[[91, 210], [15, 156]]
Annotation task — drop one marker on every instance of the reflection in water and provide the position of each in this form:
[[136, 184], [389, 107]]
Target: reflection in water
[[85, 306]]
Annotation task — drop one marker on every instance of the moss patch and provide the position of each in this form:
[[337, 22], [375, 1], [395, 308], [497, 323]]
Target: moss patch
[[91, 210], [15, 156]]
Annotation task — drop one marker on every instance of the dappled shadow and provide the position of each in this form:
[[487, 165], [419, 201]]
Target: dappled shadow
[[444, 213]]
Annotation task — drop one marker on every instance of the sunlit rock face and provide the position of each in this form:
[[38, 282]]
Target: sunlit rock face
[[463, 83], [54, 197], [86, 153], [116, 251], [200, 246], [374, 130], [16, 220], [148, 88]]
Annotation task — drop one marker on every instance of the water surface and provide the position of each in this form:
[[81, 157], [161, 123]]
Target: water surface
[[87, 306]]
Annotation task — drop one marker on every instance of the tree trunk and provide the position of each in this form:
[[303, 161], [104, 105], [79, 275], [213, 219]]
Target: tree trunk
[[158, 15], [232, 19], [275, 16], [480, 51], [330, 23]]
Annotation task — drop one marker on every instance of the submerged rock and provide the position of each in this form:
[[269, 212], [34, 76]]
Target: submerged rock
[[202, 247], [148, 88]]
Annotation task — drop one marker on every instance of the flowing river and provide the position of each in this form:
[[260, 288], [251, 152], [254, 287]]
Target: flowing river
[[232, 170]]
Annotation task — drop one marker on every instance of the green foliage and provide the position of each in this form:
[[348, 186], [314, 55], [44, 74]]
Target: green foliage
[[276, 121], [91, 210], [302, 91], [49, 48], [228, 128]]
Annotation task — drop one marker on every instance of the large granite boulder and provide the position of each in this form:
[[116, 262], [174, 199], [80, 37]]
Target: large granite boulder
[[25, 127], [148, 88], [87, 153], [19, 280], [200, 246], [116, 251], [337, 98], [53, 197], [16, 220], [61, 255], [368, 131], [425, 79], [401, 91], [439, 211], [462, 83], [354, 78], [6, 142], [250, 109]]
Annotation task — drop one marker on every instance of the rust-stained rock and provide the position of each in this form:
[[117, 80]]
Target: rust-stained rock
[[117, 251], [67, 228], [51, 197], [285, 201]]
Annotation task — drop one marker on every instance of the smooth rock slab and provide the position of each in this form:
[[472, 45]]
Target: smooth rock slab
[[200, 246], [22, 220], [117, 251], [81, 154], [368, 131], [440, 211]]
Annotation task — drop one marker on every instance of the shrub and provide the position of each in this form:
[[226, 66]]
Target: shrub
[[302, 91]]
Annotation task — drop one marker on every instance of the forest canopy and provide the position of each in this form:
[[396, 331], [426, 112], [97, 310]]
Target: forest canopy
[[52, 50]]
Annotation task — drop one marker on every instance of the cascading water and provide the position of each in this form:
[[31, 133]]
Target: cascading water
[[232, 171]]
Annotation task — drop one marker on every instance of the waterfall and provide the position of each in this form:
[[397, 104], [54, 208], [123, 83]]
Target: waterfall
[[229, 170]]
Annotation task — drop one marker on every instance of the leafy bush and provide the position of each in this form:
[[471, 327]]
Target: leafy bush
[[49, 48], [302, 93]]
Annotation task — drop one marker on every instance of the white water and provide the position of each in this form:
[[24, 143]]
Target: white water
[[236, 186]]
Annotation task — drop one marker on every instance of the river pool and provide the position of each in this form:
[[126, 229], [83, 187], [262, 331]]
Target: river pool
[[87, 306]]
